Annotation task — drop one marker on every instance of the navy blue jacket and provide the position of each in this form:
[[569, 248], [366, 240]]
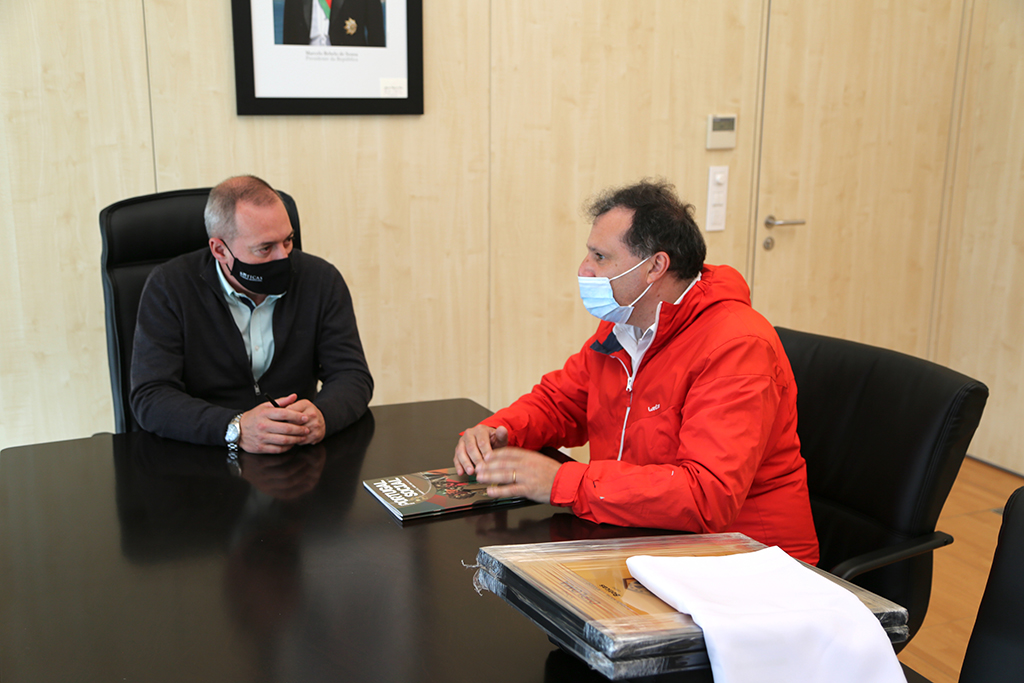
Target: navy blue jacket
[[190, 370]]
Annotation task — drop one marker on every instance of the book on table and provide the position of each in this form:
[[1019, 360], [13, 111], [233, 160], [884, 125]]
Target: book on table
[[582, 595], [433, 492]]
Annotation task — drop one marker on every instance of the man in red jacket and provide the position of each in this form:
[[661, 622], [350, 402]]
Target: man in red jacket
[[684, 393]]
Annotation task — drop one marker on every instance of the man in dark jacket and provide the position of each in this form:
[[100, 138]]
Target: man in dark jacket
[[357, 23], [231, 341]]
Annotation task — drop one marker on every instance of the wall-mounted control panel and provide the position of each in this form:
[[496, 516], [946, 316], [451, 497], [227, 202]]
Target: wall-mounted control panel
[[721, 131]]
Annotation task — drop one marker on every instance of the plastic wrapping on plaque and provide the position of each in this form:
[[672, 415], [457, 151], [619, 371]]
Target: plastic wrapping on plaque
[[582, 595], [614, 669]]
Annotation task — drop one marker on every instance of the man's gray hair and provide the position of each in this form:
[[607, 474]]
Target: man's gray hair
[[219, 214]]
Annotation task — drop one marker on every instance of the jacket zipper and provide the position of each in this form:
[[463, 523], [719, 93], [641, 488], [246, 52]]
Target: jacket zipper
[[629, 405]]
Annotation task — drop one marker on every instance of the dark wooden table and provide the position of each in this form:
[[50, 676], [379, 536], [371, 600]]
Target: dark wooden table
[[134, 558]]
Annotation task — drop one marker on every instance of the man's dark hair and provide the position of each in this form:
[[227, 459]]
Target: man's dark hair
[[220, 207], [661, 222]]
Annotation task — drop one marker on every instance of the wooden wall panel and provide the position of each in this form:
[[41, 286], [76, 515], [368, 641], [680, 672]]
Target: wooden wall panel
[[590, 94], [981, 320], [459, 231], [74, 137], [398, 203]]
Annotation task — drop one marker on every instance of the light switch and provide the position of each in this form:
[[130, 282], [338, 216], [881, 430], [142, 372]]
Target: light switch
[[718, 197]]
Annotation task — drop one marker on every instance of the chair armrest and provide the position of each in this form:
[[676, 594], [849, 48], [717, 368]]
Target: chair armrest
[[855, 566]]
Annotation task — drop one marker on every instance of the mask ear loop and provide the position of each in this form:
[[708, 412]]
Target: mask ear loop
[[630, 270], [225, 244], [641, 295]]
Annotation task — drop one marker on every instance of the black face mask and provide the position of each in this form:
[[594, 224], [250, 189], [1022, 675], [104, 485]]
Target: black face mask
[[272, 277]]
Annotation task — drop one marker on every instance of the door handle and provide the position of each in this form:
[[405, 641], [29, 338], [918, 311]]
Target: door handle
[[771, 221]]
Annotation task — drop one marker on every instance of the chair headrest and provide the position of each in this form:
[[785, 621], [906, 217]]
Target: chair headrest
[[157, 227]]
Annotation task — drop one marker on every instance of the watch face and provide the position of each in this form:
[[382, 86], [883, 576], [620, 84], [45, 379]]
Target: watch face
[[233, 431]]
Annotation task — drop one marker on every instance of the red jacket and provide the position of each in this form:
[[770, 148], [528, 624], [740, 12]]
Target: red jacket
[[707, 426]]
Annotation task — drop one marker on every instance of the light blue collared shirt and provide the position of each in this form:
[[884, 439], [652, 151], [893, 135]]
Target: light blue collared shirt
[[256, 323]]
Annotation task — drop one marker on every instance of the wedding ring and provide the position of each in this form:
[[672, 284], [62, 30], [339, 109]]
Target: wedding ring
[[513, 476]]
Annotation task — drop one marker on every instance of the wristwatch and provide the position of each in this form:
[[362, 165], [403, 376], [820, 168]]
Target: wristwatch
[[234, 432]]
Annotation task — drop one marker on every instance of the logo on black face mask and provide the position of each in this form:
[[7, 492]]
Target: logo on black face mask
[[270, 277]]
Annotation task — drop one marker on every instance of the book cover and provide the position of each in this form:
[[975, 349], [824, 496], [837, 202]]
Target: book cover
[[432, 492]]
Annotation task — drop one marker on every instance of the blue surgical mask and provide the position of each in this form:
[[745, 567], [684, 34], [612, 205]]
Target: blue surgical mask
[[599, 299]]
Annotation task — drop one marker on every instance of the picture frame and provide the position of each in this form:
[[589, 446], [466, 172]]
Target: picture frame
[[368, 60]]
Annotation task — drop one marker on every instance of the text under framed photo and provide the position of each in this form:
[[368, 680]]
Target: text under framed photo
[[328, 56]]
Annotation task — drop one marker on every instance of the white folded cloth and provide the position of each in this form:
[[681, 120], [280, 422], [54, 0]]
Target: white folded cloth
[[766, 617]]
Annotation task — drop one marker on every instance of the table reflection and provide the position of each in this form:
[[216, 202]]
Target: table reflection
[[175, 498]]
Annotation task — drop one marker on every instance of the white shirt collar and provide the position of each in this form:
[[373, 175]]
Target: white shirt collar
[[635, 340]]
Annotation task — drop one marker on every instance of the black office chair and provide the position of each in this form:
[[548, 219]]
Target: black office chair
[[138, 235], [995, 652], [884, 435]]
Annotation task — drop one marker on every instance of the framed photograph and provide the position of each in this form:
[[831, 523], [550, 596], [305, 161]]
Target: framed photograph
[[328, 56]]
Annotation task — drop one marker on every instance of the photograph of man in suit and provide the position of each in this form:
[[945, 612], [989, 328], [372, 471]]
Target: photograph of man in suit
[[358, 23]]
